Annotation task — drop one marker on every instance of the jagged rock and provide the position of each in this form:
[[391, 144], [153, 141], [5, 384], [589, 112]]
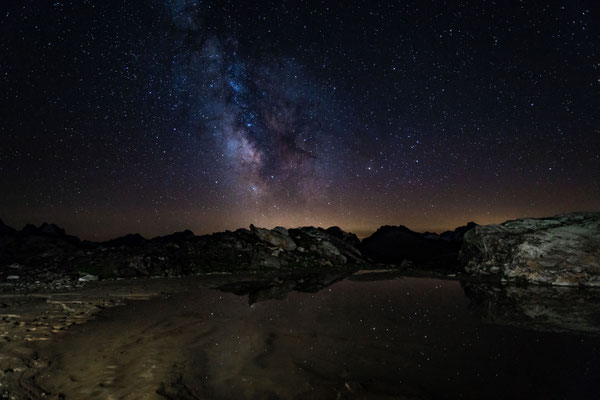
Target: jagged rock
[[33, 245], [347, 237], [320, 245], [275, 237], [48, 255], [45, 229], [458, 234], [281, 230], [562, 250], [330, 252]]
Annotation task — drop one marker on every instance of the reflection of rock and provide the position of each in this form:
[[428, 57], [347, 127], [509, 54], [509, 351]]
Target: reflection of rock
[[279, 287], [541, 308], [562, 250]]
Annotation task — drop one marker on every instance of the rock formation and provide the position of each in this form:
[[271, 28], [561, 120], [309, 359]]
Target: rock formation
[[398, 244], [48, 256], [562, 250]]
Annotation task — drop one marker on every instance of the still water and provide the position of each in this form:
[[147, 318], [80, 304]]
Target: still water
[[401, 338]]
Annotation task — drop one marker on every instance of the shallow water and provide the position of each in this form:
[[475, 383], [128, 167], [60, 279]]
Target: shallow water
[[383, 339]]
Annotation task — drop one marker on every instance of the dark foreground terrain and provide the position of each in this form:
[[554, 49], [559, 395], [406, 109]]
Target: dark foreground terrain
[[563, 250], [304, 313], [366, 336]]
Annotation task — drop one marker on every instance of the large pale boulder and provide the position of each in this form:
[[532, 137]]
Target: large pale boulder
[[278, 237], [562, 250]]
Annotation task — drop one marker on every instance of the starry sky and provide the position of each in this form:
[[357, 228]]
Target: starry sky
[[156, 116]]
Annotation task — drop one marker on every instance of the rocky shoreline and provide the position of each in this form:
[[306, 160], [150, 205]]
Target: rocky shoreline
[[37, 330], [561, 250]]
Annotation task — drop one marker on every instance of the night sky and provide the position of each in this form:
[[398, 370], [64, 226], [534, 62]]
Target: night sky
[[156, 116]]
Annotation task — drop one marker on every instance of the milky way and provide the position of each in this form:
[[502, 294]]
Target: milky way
[[164, 115], [265, 120]]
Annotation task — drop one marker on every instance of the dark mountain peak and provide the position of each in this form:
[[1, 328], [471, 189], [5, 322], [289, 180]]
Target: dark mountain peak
[[394, 244], [4, 229], [132, 239], [392, 230], [47, 229], [44, 229], [175, 237], [52, 229]]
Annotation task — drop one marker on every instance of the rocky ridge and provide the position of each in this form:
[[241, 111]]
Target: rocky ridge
[[562, 250], [47, 257]]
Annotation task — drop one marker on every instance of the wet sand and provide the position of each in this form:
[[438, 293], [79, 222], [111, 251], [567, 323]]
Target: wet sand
[[395, 338]]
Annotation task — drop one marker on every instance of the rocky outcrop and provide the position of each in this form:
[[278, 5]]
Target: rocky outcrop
[[398, 244], [562, 250], [348, 237], [458, 234], [32, 243], [278, 237], [47, 255]]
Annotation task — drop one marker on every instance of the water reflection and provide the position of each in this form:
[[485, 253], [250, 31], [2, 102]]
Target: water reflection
[[541, 308], [389, 339], [279, 287]]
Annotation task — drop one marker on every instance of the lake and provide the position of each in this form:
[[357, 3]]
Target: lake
[[354, 338]]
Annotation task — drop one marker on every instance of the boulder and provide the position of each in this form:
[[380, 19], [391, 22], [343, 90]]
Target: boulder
[[319, 245], [88, 278], [278, 238], [562, 250]]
